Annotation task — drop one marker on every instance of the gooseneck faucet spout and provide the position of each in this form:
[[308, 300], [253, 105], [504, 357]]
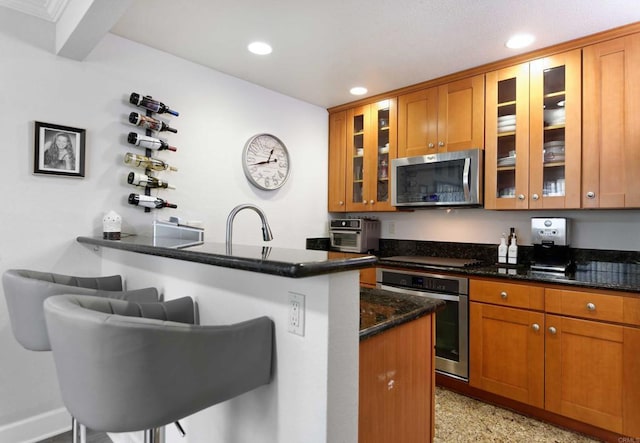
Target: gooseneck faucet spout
[[266, 229]]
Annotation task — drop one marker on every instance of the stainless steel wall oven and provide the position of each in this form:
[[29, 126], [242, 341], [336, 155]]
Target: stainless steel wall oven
[[452, 323]]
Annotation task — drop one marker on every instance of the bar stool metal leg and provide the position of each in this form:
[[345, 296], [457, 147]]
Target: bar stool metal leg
[[75, 437], [155, 435], [83, 434], [77, 431]]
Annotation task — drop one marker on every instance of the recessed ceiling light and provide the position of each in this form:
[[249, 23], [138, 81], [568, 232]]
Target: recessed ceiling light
[[519, 41], [260, 48], [358, 90]]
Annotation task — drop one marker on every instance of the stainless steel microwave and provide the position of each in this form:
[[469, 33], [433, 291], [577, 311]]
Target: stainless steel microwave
[[440, 180]]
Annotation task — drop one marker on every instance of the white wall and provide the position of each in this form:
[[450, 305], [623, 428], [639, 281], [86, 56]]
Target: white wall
[[41, 216]]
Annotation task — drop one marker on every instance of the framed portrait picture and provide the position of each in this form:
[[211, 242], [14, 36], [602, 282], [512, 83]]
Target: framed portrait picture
[[59, 150]]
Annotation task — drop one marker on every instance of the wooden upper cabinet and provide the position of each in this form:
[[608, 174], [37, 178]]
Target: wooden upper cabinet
[[461, 114], [417, 123], [444, 118], [507, 138], [370, 147], [362, 143], [611, 124], [555, 136], [337, 162], [533, 134]]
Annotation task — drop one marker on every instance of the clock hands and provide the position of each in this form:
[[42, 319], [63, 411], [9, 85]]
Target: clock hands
[[265, 162], [268, 160]]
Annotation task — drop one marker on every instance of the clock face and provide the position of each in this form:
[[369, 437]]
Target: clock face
[[265, 161]]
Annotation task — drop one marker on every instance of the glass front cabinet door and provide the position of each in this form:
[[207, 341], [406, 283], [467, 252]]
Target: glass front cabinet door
[[507, 138], [533, 141], [555, 132], [371, 145]]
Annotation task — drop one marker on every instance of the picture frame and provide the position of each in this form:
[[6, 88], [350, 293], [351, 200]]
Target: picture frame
[[59, 150]]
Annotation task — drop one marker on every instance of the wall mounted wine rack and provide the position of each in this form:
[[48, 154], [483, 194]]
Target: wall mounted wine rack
[[151, 125]]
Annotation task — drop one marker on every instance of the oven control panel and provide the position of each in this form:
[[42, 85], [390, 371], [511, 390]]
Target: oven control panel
[[425, 282]]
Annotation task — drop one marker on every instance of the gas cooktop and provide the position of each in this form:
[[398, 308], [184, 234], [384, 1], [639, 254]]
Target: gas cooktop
[[436, 261]]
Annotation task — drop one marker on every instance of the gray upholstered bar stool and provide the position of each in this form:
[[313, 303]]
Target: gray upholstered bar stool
[[126, 367], [25, 292]]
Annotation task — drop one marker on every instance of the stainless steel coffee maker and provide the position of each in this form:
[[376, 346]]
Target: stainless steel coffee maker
[[550, 239]]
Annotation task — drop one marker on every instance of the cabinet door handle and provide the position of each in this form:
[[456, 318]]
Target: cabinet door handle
[[591, 194], [535, 196], [552, 330], [441, 144], [371, 202], [503, 294], [591, 306], [521, 197], [535, 327], [431, 146], [340, 203]]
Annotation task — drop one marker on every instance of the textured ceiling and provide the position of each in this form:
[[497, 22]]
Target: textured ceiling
[[323, 48]]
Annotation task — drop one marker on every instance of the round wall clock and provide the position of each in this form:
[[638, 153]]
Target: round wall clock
[[265, 161]]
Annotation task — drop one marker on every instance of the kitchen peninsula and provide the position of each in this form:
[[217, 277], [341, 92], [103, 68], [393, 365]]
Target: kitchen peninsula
[[313, 396]]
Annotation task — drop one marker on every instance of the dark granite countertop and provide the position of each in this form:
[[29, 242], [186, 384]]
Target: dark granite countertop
[[294, 263], [381, 310], [595, 268], [593, 274]]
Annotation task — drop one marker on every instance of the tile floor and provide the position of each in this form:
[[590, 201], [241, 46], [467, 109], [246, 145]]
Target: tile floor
[[461, 419]]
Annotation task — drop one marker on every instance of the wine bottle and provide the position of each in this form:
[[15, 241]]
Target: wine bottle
[[150, 104], [141, 161], [149, 201], [149, 123], [147, 142], [144, 180]]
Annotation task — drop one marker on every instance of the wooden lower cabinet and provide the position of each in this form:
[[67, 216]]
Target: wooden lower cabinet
[[585, 369], [397, 380], [507, 352], [591, 373]]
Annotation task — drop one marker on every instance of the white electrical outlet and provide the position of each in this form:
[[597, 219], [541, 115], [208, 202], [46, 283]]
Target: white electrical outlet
[[392, 227], [296, 314]]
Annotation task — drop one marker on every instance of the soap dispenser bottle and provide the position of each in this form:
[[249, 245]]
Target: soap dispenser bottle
[[502, 249], [512, 252]]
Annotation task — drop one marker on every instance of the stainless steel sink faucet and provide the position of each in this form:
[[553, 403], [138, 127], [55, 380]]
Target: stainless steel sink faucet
[[266, 230]]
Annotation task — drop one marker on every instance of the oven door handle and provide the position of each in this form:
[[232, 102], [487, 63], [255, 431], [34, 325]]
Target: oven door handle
[[436, 295]]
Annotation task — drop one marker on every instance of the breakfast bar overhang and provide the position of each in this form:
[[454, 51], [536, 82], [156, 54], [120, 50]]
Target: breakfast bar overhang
[[313, 396]]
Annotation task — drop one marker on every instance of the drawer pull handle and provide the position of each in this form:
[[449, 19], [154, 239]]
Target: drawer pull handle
[[503, 294], [552, 330], [535, 327], [591, 306]]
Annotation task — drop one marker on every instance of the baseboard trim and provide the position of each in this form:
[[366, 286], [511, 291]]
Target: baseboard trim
[[38, 427]]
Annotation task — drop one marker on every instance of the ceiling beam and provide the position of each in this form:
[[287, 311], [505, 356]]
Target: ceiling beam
[[83, 24]]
